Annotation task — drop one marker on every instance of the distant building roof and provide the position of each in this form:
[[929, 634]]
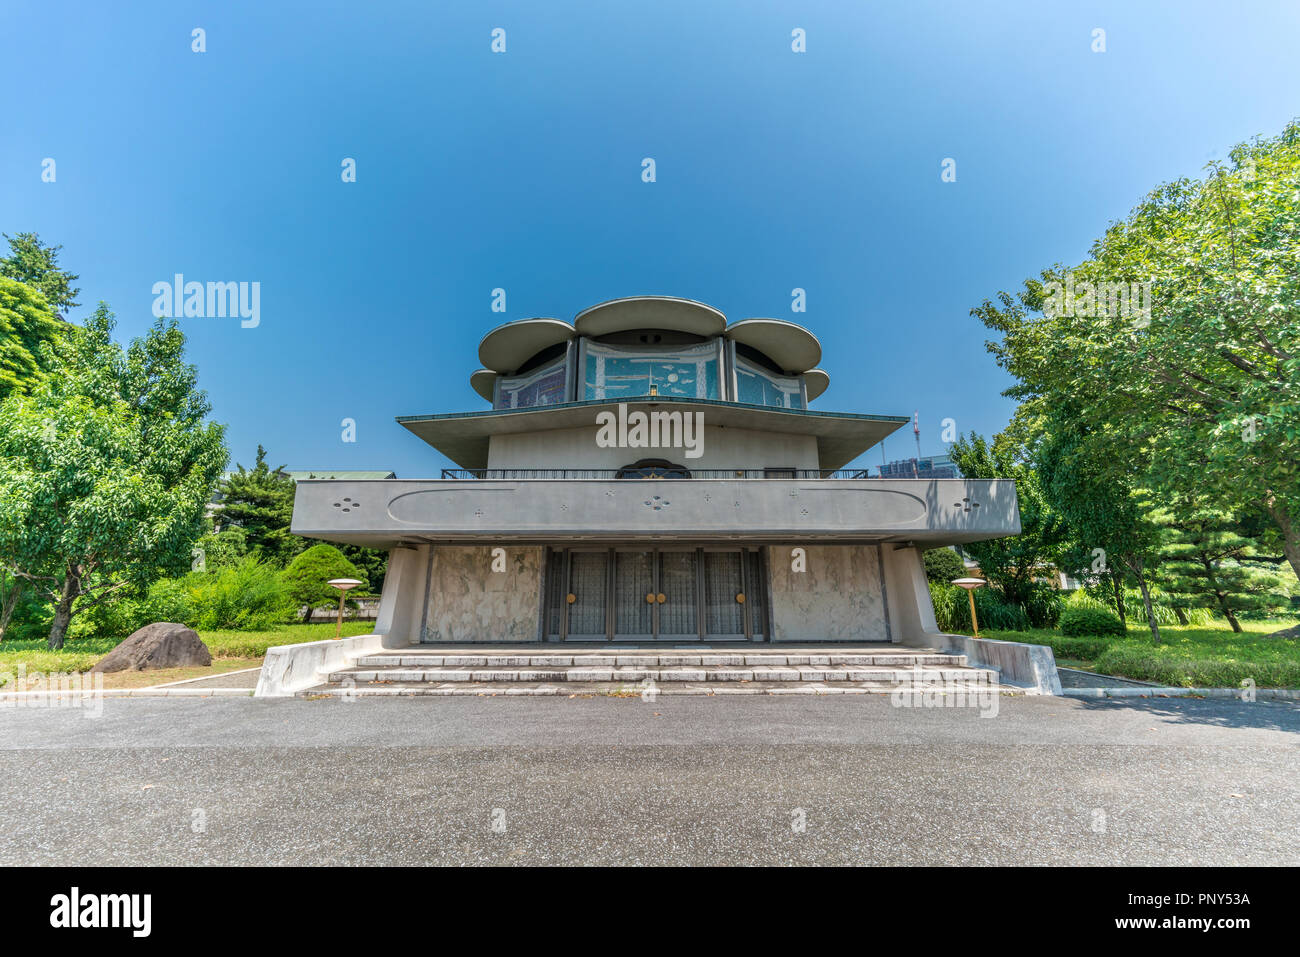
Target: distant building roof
[[297, 474], [930, 466]]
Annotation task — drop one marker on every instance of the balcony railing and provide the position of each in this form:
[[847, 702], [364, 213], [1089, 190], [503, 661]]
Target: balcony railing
[[642, 474]]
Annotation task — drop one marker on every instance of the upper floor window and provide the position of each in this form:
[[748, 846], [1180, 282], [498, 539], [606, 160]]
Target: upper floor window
[[625, 372], [547, 385], [757, 386]]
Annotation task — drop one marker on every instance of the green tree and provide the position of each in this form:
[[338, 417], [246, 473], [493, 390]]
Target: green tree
[[260, 501], [105, 468], [1200, 393], [32, 262], [1011, 564], [307, 576], [1206, 563], [26, 322], [1094, 492]]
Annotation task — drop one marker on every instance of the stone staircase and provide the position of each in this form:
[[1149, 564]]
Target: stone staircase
[[657, 671]]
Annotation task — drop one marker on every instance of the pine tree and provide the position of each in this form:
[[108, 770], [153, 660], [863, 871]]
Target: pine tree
[[260, 501], [1207, 563]]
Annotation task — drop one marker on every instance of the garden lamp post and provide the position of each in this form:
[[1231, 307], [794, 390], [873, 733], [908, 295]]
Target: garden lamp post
[[970, 584], [343, 584]]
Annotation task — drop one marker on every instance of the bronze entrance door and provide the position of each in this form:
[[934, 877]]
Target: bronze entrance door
[[681, 594]]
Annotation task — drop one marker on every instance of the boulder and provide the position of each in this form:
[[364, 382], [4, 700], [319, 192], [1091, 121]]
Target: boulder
[[1290, 634], [164, 644]]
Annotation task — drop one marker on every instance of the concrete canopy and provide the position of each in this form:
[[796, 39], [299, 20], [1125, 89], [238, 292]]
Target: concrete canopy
[[463, 436], [650, 312], [816, 381], [508, 347], [483, 382], [788, 344]]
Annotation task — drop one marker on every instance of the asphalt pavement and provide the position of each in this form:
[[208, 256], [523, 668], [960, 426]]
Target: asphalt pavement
[[736, 780]]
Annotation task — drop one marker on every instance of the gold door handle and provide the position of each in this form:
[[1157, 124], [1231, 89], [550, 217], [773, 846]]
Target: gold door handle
[[662, 598], [740, 599], [571, 598], [650, 597]]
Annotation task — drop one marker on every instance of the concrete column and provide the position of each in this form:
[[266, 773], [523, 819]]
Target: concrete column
[[910, 609], [398, 618]]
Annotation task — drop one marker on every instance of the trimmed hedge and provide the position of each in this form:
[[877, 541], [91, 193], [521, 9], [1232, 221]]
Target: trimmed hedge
[[1091, 622]]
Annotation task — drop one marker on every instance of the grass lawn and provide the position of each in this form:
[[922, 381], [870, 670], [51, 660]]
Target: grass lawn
[[162, 676], [231, 650], [1189, 656]]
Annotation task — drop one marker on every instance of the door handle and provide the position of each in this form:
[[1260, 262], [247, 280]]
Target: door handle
[[662, 598], [740, 599], [650, 597], [571, 598]]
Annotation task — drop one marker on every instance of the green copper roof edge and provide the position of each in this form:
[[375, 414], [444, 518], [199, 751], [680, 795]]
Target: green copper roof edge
[[646, 400]]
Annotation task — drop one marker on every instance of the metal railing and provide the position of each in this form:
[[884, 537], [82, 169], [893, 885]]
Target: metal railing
[[651, 474]]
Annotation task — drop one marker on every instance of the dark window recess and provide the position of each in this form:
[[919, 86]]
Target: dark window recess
[[758, 358], [780, 473], [653, 469], [548, 354]]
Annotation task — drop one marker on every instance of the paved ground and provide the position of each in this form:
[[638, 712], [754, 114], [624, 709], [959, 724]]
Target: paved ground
[[692, 780]]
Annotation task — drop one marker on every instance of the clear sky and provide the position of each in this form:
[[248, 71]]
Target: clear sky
[[522, 171]]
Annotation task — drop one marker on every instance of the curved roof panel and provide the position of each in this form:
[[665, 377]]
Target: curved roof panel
[[816, 382], [650, 312], [508, 347], [484, 383], [788, 344]]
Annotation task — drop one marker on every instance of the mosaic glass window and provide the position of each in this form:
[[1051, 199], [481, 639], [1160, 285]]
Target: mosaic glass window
[[757, 386], [620, 373], [544, 386]]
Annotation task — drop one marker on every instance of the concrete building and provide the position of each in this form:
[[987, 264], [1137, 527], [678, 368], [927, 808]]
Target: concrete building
[[650, 473], [930, 466]]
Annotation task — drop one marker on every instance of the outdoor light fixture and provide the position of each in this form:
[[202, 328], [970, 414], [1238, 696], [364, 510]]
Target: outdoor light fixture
[[970, 584], [343, 584]]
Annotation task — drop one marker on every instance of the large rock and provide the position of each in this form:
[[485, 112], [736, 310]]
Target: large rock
[[164, 644]]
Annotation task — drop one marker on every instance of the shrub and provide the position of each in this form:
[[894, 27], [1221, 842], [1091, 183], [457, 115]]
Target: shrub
[[246, 596], [942, 565], [952, 610], [306, 578], [1044, 605], [1076, 621]]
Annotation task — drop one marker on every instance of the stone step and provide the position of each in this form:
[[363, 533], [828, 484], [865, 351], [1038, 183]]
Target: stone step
[[616, 690], [662, 659], [632, 674]]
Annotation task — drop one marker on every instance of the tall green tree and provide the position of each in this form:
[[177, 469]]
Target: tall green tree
[[32, 262], [1100, 499], [1012, 564], [260, 501], [26, 325], [105, 468], [1200, 393]]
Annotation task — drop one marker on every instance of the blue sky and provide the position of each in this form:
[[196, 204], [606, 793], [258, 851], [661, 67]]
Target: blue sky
[[522, 171]]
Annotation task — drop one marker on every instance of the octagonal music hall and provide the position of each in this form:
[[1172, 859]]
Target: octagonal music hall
[[650, 472]]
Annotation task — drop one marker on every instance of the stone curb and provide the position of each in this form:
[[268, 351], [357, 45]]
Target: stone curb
[[1283, 694], [162, 691]]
